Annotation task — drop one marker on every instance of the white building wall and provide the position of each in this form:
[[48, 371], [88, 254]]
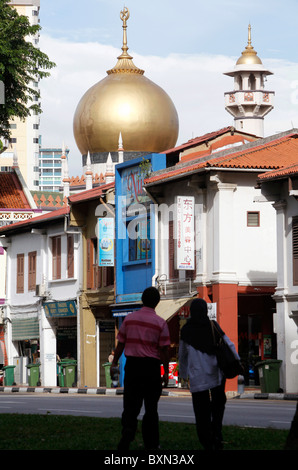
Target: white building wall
[[256, 246], [27, 303], [286, 296], [227, 250], [236, 252]]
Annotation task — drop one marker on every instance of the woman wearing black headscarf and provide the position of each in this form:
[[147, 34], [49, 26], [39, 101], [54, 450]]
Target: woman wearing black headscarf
[[198, 363]]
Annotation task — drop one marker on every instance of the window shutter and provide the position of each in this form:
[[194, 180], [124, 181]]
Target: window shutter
[[253, 219], [32, 270], [56, 257], [54, 249], [295, 250], [20, 273], [70, 256], [110, 276], [89, 264]]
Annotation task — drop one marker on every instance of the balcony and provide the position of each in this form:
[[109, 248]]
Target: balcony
[[175, 288], [249, 97]]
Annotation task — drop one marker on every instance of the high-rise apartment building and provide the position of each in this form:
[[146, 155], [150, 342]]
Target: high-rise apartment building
[[50, 169], [25, 142]]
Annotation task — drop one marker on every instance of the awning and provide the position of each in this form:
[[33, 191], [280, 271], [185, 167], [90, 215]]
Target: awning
[[167, 308], [25, 329]]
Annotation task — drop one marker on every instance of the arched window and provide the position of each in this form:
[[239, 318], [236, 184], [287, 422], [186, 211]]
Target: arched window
[[252, 82]]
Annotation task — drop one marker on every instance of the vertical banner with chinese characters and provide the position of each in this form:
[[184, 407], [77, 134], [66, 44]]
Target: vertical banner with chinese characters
[[106, 241], [185, 258]]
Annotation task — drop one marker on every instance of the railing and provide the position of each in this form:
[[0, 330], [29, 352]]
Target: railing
[[175, 287], [249, 96]]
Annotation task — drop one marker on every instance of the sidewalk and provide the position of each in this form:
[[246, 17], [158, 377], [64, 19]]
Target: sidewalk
[[171, 392]]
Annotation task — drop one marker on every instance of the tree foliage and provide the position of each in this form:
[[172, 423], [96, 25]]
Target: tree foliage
[[21, 64]]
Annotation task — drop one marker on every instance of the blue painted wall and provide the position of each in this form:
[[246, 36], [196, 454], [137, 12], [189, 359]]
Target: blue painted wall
[[132, 277]]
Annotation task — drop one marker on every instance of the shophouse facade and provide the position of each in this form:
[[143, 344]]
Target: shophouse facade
[[43, 277], [280, 189], [90, 210], [16, 204], [57, 295], [233, 250], [136, 249]]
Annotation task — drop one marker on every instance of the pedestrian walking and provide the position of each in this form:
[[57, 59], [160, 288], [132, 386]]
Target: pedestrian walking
[[144, 338], [198, 363]]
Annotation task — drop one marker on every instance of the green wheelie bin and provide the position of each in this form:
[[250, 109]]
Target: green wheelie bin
[[33, 374], [9, 375], [107, 366], [269, 375], [67, 376], [60, 375]]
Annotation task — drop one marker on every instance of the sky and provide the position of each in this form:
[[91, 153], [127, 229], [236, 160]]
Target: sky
[[184, 47]]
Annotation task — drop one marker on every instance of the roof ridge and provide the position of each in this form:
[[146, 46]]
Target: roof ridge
[[225, 155], [40, 218], [259, 148]]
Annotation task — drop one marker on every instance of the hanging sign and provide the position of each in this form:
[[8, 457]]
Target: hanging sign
[[106, 241], [67, 308], [185, 233]]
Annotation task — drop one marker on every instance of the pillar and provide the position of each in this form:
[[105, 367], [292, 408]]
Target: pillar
[[226, 298], [88, 360], [48, 362]]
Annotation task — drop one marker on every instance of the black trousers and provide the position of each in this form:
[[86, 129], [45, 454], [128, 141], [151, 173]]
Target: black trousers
[[209, 407], [142, 385]]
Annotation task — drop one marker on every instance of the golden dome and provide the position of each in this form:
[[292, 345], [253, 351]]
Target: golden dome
[[125, 101], [249, 55]]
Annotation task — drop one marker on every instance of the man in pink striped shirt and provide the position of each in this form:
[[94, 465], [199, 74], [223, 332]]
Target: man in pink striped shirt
[[144, 338]]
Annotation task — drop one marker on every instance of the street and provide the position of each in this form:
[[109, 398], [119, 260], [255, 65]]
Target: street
[[251, 413]]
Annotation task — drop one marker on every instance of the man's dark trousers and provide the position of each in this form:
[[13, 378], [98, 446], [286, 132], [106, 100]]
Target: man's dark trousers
[[142, 384]]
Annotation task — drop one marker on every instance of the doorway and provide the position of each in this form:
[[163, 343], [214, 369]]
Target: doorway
[[256, 339]]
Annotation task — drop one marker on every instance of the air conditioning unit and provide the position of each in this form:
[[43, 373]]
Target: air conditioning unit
[[40, 290]]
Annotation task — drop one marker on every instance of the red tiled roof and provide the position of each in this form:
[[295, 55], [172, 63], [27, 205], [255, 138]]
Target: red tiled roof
[[203, 138], [11, 192], [90, 193], [225, 141], [262, 155], [280, 173], [59, 213]]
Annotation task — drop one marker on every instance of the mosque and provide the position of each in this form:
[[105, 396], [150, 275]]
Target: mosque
[[126, 115], [124, 111]]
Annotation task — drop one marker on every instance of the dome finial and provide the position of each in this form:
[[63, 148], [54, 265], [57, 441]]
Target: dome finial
[[124, 15], [125, 63], [249, 35], [249, 55]]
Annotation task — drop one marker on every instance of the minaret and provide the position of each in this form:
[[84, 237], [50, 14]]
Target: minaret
[[88, 173], [120, 149], [110, 175], [249, 102]]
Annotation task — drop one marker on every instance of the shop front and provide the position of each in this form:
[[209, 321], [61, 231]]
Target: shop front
[[256, 338], [61, 325], [97, 335], [25, 343]]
